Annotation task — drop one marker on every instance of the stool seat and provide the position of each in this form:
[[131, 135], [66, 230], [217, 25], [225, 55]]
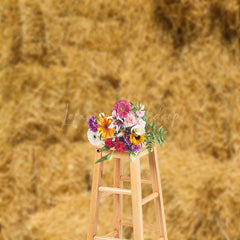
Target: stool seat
[[123, 155], [100, 192]]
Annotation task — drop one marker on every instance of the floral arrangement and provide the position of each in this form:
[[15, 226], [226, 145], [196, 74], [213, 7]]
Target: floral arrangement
[[126, 130]]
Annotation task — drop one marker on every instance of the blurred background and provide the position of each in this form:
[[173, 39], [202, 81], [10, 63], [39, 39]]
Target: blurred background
[[63, 60]]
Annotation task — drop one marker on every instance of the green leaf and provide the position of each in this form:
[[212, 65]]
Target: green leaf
[[149, 148], [159, 143], [106, 157], [145, 117], [104, 148], [154, 127], [152, 123], [134, 109], [157, 140], [132, 156], [146, 127], [160, 130], [138, 105]]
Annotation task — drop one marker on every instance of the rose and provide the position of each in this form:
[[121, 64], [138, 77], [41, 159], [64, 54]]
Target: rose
[[130, 120]]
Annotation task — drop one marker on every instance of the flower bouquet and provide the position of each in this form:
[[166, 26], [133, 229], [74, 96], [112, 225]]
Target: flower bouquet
[[126, 130]]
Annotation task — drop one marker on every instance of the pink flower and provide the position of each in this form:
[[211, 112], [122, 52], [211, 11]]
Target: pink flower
[[130, 120], [141, 122], [140, 113], [122, 108]]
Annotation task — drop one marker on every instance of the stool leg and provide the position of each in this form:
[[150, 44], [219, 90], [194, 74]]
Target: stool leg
[[117, 198], [136, 199], [95, 197], [158, 202]]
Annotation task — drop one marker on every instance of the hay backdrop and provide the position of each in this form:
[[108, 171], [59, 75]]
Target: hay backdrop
[[61, 61]]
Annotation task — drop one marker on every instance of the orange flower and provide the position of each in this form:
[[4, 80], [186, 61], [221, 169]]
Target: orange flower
[[104, 129]]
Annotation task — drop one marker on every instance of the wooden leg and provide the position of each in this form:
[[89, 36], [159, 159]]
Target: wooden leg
[[136, 199], [158, 202], [117, 198], [96, 183]]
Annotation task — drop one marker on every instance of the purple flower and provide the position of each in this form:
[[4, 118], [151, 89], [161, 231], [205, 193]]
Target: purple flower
[[127, 140], [136, 148], [92, 123], [126, 148]]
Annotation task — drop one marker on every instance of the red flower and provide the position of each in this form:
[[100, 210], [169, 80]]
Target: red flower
[[120, 147], [109, 143]]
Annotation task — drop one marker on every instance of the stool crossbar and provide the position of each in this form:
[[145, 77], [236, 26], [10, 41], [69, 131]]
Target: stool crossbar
[[100, 192]]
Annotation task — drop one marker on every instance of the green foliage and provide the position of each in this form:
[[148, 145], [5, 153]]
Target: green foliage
[[135, 108], [96, 117], [104, 148], [106, 157], [149, 141], [145, 118], [154, 135]]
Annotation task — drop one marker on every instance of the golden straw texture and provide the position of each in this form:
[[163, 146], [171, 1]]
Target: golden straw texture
[[61, 61]]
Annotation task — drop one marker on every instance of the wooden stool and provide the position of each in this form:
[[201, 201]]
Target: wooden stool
[[99, 192]]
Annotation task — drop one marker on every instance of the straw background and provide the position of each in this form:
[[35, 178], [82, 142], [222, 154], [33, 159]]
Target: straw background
[[63, 60]]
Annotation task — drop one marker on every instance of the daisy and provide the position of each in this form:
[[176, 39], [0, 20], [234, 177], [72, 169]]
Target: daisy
[[122, 108], [104, 129], [94, 137]]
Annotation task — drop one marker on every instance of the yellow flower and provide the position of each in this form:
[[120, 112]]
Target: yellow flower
[[104, 129], [137, 139]]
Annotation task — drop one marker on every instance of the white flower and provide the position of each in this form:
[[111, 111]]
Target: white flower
[[141, 122], [138, 129], [114, 114], [111, 125], [101, 114], [120, 134], [112, 117], [117, 121], [94, 137]]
